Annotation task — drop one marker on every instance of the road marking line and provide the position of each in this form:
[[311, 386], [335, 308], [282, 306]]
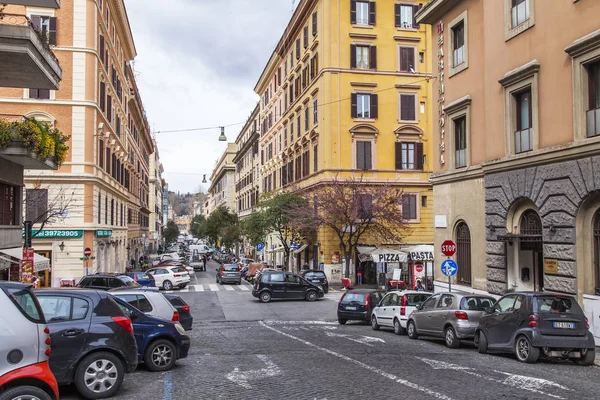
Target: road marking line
[[168, 386], [242, 377], [300, 323], [396, 379], [198, 288], [230, 288], [213, 287], [185, 289], [243, 288]]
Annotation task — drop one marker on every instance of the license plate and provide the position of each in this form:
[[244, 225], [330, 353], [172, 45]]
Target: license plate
[[316, 281], [563, 325], [231, 274], [350, 308]]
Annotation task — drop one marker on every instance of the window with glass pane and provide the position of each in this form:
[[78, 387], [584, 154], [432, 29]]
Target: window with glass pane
[[409, 206], [362, 57], [460, 142], [8, 205], [523, 140], [406, 16], [593, 113], [408, 156], [315, 112], [363, 103], [519, 12], [362, 12], [458, 44]]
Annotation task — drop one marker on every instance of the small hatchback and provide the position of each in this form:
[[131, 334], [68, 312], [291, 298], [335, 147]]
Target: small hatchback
[[107, 282], [284, 285], [24, 346], [317, 277], [229, 273], [357, 305], [530, 324], [395, 308], [149, 302]]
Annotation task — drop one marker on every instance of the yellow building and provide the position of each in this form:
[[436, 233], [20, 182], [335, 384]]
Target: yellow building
[[347, 93]]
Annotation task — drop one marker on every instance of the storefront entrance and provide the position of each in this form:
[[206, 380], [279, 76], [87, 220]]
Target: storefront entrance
[[525, 254]]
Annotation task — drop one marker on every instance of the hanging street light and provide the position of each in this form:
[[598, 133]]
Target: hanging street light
[[222, 138], [204, 178]]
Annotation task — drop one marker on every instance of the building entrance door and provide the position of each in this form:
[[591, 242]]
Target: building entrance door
[[530, 271]]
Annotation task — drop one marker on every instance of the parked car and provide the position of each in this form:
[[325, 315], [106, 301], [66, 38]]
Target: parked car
[[229, 273], [142, 278], [453, 316], [169, 277], [317, 277], [284, 285], [92, 340], [530, 324], [395, 308], [107, 282], [185, 316], [24, 346], [150, 303], [159, 343], [358, 304]]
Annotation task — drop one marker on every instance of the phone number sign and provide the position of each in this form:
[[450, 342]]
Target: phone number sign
[[56, 233]]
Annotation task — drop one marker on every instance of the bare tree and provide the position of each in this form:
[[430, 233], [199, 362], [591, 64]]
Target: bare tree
[[354, 210], [43, 208]]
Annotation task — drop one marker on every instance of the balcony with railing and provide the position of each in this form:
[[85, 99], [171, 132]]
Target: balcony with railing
[[523, 141], [26, 59]]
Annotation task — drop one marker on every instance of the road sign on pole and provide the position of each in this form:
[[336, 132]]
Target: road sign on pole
[[449, 268], [87, 252], [448, 248], [260, 246]]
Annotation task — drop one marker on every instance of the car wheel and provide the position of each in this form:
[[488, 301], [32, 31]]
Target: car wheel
[[99, 375], [161, 355], [265, 297], [311, 295], [525, 352], [411, 329], [25, 393], [482, 343], [342, 321], [450, 337], [183, 285], [374, 325], [588, 357], [167, 285], [398, 329]]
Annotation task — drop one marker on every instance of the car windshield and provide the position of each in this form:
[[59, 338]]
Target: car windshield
[[557, 304], [26, 303], [128, 281], [314, 275], [354, 297], [230, 267], [414, 299], [476, 303]]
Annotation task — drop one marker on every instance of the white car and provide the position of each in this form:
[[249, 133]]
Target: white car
[[169, 277], [148, 302], [395, 308]]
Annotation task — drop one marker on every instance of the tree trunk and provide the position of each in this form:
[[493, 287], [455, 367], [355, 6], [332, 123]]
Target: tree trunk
[[348, 258]]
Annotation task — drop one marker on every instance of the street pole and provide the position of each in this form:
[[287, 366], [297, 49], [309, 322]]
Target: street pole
[[449, 281]]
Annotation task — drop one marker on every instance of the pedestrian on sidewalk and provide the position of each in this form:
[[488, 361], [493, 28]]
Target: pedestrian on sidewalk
[[359, 280], [419, 287]]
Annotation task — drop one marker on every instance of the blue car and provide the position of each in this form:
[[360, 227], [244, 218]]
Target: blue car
[[160, 342], [142, 278]]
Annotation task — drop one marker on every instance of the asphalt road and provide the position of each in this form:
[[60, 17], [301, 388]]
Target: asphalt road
[[243, 349]]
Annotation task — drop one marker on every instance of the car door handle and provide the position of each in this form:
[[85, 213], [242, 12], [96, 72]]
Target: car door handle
[[73, 332]]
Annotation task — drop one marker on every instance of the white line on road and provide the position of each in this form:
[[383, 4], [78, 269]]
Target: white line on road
[[396, 379], [243, 288], [213, 287], [198, 288], [230, 288], [300, 323], [362, 339], [242, 377]]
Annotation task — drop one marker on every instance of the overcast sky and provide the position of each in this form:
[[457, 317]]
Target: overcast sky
[[197, 64]]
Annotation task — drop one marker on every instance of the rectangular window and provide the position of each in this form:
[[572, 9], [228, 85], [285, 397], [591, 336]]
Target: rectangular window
[[407, 107], [407, 59], [298, 49], [315, 112], [519, 12], [458, 44], [109, 108], [291, 131], [305, 34], [523, 137], [363, 104], [363, 155], [306, 118], [102, 99], [46, 26], [409, 156], [37, 205], [118, 126], [593, 112], [8, 204], [99, 207], [106, 208], [101, 52], [101, 154], [409, 207], [460, 142], [404, 16], [41, 94], [315, 158], [299, 122], [314, 24], [362, 57], [362, 12], [285, 136]]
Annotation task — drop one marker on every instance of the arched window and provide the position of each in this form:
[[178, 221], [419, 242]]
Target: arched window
[[531, 231], [597, 249], [463, 253]]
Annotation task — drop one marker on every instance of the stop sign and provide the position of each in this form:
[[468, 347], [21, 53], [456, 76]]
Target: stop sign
[[87, 252], [419, 268], [448, 248]]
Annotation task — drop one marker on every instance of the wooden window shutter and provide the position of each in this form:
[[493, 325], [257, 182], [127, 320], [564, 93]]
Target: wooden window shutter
[[415, 10], [360, 155], [373, 57], [101, 154], [407, 107], [374, 106], [315, 158], [352, 56], [354, 105], [36, 20], [410, 55], [368, 160], [298, 48], [397, 19], [102, 96], [353, 11], [314, 24], [305, 36], [419, 156], [52, 31], [398, 155], [102, 47], [372, 12]]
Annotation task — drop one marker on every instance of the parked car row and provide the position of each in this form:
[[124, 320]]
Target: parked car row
[[88, 337], [527, 324]]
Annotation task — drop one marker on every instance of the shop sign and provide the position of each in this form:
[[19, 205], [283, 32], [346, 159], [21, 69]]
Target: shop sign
[[56, 233], [389, 257], [420, 256], [550, 266], [335, 258], [27, 265], [441, 100], [103, 233]]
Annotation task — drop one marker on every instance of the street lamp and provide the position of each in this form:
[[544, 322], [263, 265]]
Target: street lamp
[[204, 178], [222, 138]]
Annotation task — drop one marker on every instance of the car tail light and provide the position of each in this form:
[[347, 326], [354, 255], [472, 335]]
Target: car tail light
[[177, 275], [47, 341], [403, 305], [367, 300], [222, 270], [175, 317], [186, 308], [533, 321], [46, 331], [47, 352], [461, 315], [587, 323], [124, 322]]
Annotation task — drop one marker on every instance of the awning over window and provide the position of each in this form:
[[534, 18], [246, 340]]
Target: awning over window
[[381, 254], [420, 252], [15, 256], [300, 249]]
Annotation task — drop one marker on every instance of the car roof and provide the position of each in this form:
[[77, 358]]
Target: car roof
[[64, 290], [312, 270], [14, 285], [132, 291], [411, 292], [366, 291]]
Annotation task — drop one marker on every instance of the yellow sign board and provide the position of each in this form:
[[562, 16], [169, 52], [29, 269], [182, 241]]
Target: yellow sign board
[[550, 266]]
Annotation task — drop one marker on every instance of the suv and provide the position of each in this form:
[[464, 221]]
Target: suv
[[284, 285], [317, 277], [530, 323], [24, 344], [395, 308], [168, 277], [107, 282], [92, 340]]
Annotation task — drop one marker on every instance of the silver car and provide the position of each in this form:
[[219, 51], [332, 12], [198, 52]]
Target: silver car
[[452, 316], [149, 302]]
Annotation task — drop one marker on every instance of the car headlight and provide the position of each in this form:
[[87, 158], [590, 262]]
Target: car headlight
[[179, 328]]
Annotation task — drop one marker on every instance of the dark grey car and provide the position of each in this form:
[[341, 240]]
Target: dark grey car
[[453, 316], [229, 273]]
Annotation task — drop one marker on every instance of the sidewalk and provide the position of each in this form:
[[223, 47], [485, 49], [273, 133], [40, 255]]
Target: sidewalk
[[598, 356]]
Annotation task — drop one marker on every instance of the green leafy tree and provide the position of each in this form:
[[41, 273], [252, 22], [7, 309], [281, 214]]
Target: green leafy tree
[[198, 227], [255, 228], [171, 232], [222, 227]]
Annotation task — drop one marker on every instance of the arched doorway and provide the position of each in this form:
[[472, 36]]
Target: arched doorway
[[597, 251], [463, 254], [530, 271]]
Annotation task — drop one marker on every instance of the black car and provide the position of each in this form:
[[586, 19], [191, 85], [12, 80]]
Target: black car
[[92, 340], [358, 304], [317, 277], [185, 316], [284, 285], [531, 324], [107, 282]]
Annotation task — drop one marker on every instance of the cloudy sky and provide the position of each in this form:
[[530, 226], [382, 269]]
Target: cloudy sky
[[197, 64]]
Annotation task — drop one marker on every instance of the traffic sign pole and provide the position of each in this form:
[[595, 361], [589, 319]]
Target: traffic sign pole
[[449, 249]]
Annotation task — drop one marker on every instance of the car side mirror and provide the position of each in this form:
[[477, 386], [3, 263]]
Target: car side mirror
[[419, 306], [489, 310]]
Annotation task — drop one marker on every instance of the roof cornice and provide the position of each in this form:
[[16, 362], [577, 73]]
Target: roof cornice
[[433, 11]]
